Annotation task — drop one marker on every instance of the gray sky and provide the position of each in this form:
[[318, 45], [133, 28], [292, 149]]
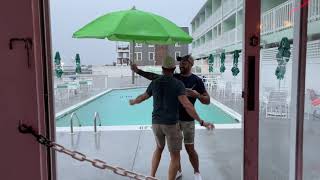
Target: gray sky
[[67, 16]]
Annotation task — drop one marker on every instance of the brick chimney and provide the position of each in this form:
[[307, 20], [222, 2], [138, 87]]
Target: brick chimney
[[161, 51]]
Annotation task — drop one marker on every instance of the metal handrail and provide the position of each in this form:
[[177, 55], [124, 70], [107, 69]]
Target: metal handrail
[[71, 121], [96, 116]]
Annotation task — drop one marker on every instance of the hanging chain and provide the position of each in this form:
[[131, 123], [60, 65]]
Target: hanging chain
[[81, 157]]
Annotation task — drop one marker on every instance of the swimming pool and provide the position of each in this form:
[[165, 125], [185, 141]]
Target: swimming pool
[[114, 110]]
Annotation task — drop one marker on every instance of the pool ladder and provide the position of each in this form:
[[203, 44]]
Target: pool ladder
[[96, 117], [71, 121]]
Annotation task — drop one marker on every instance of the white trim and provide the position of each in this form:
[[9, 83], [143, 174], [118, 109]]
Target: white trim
[[139, 127], [177, 45], [151, 45], [138, 45]]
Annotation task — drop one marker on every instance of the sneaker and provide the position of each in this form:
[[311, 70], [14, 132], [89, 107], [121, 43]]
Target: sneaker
[[197, 176], [179, 174]]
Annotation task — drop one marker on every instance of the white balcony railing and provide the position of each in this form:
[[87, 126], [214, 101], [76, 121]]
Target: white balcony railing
[[217, 16], [229, 37], [281, 17], [240, 3], [276, 19], [217, 42], [203, 27], [314, 10], [239, 33], [228, 6], [207, 47]]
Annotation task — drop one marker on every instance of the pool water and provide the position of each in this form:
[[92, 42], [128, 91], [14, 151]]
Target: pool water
[[114, 110]]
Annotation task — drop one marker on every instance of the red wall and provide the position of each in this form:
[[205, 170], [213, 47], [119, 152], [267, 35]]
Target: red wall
[[21, 92]]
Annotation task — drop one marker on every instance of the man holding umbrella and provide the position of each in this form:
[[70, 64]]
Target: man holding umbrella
[[194, 90], [167, 93]]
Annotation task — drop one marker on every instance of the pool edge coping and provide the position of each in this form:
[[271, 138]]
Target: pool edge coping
[[137, 128]]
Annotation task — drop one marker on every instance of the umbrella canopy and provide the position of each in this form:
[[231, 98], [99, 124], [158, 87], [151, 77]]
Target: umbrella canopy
[[134, 25], [235, 70], [222, 67], [57, 62], [210, 62], [282, 57], [78, 65]]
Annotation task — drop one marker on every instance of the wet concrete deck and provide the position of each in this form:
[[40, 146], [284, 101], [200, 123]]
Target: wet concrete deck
[[133, 150]]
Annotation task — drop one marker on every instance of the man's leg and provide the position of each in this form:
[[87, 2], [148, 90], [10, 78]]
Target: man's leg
[[174, 141], [188, 129], [193, 157], [174, 164], [156, 160], [160, 141]]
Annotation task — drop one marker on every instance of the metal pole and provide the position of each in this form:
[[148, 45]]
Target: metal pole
[[71, 123], [132, 61], [95, 122]]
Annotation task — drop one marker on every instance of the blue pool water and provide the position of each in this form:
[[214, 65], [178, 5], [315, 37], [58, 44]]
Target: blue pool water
[[114, 110]]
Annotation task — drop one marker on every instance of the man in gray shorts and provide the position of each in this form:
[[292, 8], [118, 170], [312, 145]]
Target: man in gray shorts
[[167, 92], [195, 90]]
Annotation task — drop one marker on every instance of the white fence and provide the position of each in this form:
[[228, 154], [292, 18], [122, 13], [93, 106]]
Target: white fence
[[217, 15], [281, 17], [228, 6], [229, 37]]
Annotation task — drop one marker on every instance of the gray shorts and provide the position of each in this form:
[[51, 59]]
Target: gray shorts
[[188, 130], [171, 133]]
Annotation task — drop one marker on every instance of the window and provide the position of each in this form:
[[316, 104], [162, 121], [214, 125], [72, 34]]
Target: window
[[151, 56], [151, 45], [177, 53], [138, 56], [138, 44], [177, 45]]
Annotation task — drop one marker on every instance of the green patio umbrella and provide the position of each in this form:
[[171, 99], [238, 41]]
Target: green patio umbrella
[[235, 70], [57, 62], [222, 58], [134, 26], [282, 57], [78, 65], [210, 62]]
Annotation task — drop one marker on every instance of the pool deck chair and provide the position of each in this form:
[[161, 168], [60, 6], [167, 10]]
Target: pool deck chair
[[277, 105], [313, 104]]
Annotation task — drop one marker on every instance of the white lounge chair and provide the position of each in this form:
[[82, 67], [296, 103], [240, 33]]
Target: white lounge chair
[[277, 105]]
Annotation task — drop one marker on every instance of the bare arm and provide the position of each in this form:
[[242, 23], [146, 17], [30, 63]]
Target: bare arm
[[139, 99], [204, 98], [148, 75], [192, 112]]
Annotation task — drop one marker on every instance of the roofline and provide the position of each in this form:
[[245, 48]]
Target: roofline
[[203, 6]]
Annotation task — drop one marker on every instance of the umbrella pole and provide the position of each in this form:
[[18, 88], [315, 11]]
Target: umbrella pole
[[132, 62]]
